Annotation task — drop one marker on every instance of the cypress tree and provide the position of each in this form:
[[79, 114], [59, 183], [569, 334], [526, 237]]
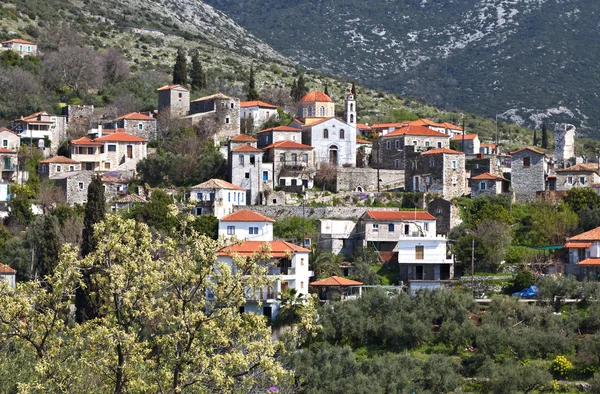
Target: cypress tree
[[544, 136], [198, 75], [49, 246], [251, 93], [301, 89], [293, 90], [326, 89], [95, 211], [535, 140], [353, 90], [180, 69]]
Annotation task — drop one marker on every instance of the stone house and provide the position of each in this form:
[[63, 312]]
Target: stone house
[[439, 170], [451, 129], [579, 175], [247, 171], [74, 185], [216, 197], [489, 149], [8, 275], [57, 165], [480, 165], [9, 139], [246, 225], [276, 134], [487, 184], [364, 148], [423, 122], [223, 110], [258, 111], [389, 150], [127, 202], [333, 140], [113, 152], [468, 143], [530, 170], [22, 47], [447, 215], [42, 130], [173, 103], [134, 123], [293, 164]]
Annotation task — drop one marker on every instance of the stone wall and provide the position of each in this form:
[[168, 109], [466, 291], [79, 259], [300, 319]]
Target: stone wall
[[279, 211], [365, 179], [526, 181]]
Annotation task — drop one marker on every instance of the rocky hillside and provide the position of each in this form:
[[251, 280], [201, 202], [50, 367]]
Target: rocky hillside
[[531, 60]]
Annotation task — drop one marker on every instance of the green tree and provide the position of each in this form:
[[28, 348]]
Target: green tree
[[364, 261], [198, 74], [206, 225], [535, 140], [544, 136], [251, 92], [299, 88], [323, 263], [294, 228], [353, 90], [579, 198], [49, 247], [180, 69], [157, 212], [326, 90]]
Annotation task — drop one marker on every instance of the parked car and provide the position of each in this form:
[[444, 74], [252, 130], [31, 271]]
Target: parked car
[[528, 292]]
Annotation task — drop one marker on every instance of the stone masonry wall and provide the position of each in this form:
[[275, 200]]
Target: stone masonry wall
[[351, 178], [526, 181], [279, 211]]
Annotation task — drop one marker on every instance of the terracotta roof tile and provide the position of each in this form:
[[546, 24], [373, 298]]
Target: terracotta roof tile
[[4, 150], [361, 126], [212, 96], [445, 151], [316, 96], [61, 160], [120, 137], [487, 176], [399, 215], [590, 262], [135, 116], [388, 125], [529, 149], [217, 184], [247, 148], [467, 137], [288, 145], [308, 122], [19, 41], [361, 141], [246, 216], [417, 131], [450, 126], [279, 249], [243, 138], [592, 235], [425, 122], [85, 141], [582, 167], [279, 128], [578, 245], [336, 281], [5, 269], [256, 103], [169, 87], [131, 198]]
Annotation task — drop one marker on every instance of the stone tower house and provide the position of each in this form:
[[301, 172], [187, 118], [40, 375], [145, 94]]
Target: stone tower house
[[246, 169], [175, 99], [564, 143], [350, 110]]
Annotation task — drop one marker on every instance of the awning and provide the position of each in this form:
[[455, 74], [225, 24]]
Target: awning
[[336, 281], [578, 245], [590, 262], [550, 247]]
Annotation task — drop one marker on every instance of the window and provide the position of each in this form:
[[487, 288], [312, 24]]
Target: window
[[112, 148], [305, 157], [20, 48], [230, 230], [439, 144], [102, 149], [253, 230], [482, 186], [294, 158], [406, 229], [430, 180], [388, 145], [322, 111], [28, 48], [391, 227], [58, 168], [199, 196], [342, 134], [90, 151], [325, 133], [415, 142], [294, 182], [302, 261], [293, 138], [235, 197], [570, 180], [107, 166], [229, 197], [397, 163], [454, 164], [242, 195], [265, 175], [427, 143], [247, 175], [431, 162], [129, 151], [526, 162], [252, 160], [454, 180], [351, 107], [282, 157], [582, 180], [180, 95], [71, 168], [226, 120], [375, 227], [232, 105], [302, 284], [80, 185], [397, 144], [426, 226], [282, 182], [419, 252], [241, 160], [140, 126], [5, 143]]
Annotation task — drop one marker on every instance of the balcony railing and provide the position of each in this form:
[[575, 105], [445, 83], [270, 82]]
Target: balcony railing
[[282, 271]]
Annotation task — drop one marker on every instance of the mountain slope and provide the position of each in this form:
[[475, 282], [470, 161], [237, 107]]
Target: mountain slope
[[532, 60]]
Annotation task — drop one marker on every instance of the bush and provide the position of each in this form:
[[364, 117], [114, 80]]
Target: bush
[[561, 367]]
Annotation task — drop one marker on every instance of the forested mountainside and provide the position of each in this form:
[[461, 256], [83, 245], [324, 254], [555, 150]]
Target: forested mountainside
[[532, 61]]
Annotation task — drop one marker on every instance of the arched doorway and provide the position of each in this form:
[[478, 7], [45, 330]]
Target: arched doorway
[[333, 155]]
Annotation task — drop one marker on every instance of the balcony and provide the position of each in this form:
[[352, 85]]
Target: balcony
[[10, 167], [282, 271]]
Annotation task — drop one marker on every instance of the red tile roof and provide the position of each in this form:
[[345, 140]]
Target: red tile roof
[[582, 167], [425, 122], [309, 122], [399, 215], [445, 151], [487, 176], [279, 128], [19, 41], [217, 184], [246, 216], [247, 148], [256, 103], [135, 116], [529, 149], [243, 138], [363, 127], [388, 125], [467, 137], [450, 126], [169, 87], [2, 129], [488, 145], [85, 141], [60, 159], [578, 245], [288, 145], [592, 235], [5, 269], [4, 150], [121, 137], [590, 262], [416, 130], [361, 141], [336, 281], [316, 96], [278, 249]]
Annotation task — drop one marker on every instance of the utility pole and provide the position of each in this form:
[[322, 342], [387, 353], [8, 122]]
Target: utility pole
[[473, 267]]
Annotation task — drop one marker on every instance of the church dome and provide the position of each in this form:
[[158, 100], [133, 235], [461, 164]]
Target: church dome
[[316, 96]]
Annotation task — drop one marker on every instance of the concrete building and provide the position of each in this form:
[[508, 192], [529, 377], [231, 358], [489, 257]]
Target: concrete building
[[333, 140], [216, 197], [9, 139], [579, 175], [42, 130], [339, 236], [8, 275], [468, 143], [487, 184], [258, 111], [583, 259], [439, 170], [57, 165], [530, 170], [246, 225], [22, 47], [277, 134]]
